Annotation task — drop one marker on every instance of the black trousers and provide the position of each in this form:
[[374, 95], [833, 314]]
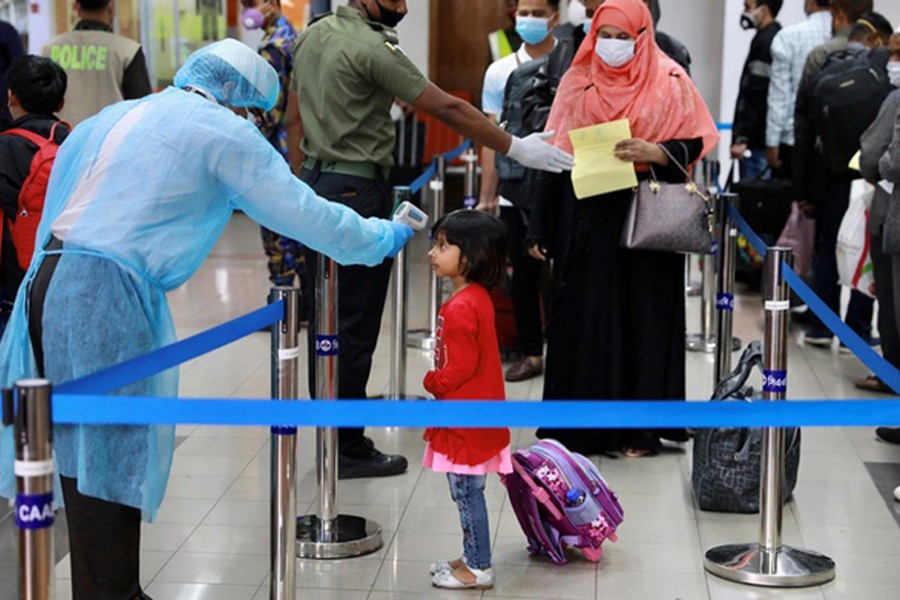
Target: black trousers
[[786, 154], [830, 210], [884, 291], [362, 292], [104, 537], [526, 283]]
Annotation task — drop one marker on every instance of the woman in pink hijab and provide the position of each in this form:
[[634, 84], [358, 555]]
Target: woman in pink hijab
[[617, 326]]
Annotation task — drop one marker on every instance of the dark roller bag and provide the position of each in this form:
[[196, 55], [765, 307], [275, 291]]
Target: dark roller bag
[[765, 204]]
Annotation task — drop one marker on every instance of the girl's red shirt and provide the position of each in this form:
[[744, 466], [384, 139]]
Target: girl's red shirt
[[467, 367]]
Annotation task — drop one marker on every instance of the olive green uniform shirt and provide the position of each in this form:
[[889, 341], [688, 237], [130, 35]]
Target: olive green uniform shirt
[[347, 72]]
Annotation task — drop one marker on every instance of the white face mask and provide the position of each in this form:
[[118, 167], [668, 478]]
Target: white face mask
[[577, 12], [893, 69], [615, 53]]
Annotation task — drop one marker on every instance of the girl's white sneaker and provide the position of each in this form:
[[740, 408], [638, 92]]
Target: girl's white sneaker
[[444, 565], [484, 580], [897, 494]]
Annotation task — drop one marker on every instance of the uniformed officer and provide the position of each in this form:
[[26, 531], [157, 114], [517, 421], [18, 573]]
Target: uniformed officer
[[348, 69], [102, 67]]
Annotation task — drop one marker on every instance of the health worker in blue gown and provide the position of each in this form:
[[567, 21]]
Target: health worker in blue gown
[[137, 198]]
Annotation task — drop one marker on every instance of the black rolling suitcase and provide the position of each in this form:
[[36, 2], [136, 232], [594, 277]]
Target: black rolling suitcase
[[764, 203]]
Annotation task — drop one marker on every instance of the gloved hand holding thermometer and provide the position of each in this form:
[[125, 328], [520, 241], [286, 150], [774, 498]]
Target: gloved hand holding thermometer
[[406, 221]]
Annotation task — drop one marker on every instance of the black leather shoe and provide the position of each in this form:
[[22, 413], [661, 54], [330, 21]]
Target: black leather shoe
[[372, 463], [891, 435], [525, 369]]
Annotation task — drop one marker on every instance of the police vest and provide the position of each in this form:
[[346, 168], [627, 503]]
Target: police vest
[[95, 63]]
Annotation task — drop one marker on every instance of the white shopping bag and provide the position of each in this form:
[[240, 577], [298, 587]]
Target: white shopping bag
[[854, 260]]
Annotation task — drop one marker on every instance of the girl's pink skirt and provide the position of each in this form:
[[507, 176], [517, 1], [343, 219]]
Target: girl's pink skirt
[[440, 463]]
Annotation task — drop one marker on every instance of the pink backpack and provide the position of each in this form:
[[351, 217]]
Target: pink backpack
[[561, 500]]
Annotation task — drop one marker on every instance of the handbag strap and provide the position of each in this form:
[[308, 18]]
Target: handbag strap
[[677, 164], [687, 176]]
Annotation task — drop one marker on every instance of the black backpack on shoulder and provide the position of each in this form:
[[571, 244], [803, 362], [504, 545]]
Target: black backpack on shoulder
[[847, 93], [527, 99]]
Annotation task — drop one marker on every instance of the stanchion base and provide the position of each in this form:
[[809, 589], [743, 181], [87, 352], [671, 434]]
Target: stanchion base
[[695, 342], [420, 339], [353, 536], [793, 567]]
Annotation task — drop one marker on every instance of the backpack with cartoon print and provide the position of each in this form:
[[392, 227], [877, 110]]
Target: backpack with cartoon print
[[562, 500]]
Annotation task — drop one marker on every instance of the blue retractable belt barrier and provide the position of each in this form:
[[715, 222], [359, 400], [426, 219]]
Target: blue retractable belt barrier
[[724, 126], [173, 355], [458, 151], [422, 179], [124, 410], [755, 240], [885, 371], [450, 156]]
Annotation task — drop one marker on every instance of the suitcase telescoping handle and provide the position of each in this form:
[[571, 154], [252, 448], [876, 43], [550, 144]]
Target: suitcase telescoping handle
[[540, 494]]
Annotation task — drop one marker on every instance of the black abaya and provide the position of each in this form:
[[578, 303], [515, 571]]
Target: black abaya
[[617, 319]]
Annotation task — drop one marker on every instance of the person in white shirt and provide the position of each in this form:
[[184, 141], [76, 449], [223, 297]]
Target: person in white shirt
[[535, 20], [789, 51]]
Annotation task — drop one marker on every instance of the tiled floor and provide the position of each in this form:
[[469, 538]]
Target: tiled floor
[[211, 539]]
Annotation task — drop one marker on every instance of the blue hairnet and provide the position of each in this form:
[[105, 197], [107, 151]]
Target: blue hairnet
[[233, 73]]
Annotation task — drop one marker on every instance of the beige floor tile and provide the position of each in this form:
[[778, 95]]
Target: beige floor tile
[[536, 581], [228, 539], [200, 591], [349, 574], [612, 585], [230, 569]]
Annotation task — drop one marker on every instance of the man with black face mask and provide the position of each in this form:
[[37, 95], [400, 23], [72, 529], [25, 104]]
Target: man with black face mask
[[348, 69], [752, 104]]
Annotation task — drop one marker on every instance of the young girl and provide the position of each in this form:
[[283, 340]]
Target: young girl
[[469, 249]]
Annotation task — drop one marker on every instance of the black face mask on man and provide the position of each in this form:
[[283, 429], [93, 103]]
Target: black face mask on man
[[389, 17], [750, 20]]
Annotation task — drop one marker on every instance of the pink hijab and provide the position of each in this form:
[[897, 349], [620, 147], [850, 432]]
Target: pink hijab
[[652, 91]]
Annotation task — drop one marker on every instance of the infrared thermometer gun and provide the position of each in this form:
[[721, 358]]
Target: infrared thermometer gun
[[408, 214]]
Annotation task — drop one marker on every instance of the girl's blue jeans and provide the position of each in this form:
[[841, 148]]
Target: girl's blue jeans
[[468, 493]]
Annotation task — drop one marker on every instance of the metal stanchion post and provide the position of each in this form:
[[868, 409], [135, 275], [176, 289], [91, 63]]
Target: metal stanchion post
[[470, 182], [401, 142], [691, 288], [285, 386], [28, 407], [695, 288], [424, 339], [769, 562], [399, 325], [329, 534], [705, 341], [725, 296]]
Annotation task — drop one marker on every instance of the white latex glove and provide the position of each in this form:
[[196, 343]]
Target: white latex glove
[[535, 153]]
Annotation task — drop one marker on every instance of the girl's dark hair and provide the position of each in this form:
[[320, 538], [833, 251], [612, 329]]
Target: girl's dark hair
[[482, 243]]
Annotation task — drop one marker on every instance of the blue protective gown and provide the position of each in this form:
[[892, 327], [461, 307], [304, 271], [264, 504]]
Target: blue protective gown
[[139, 194]]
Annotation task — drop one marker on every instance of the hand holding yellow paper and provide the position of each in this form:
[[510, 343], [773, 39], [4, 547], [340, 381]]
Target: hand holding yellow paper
[[597, 170]]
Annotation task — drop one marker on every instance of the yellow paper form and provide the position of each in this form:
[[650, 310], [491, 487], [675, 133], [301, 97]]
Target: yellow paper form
[[597, 170], [854, 162]]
